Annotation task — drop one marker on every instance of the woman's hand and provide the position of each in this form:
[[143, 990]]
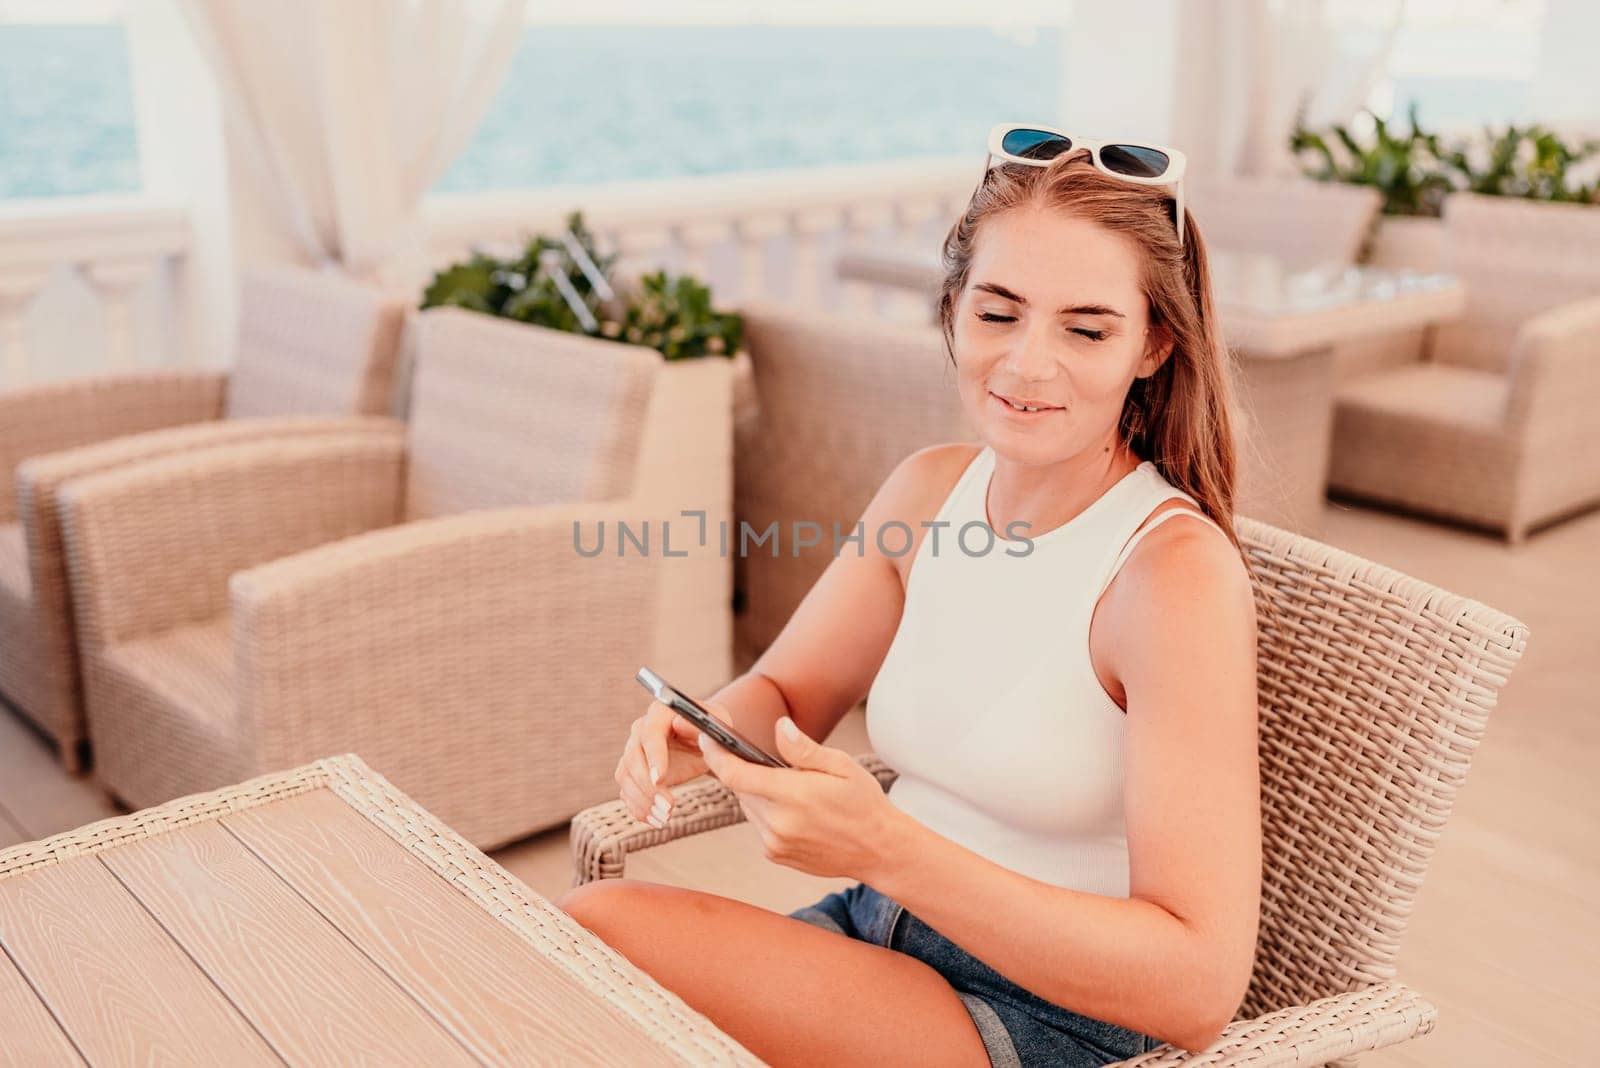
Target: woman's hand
[[826, 815], [662, 750]]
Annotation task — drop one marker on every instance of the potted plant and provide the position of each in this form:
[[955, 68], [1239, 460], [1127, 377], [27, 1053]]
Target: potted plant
[[687, 439], [1415, 171], [1527, 161], [1404, 166]]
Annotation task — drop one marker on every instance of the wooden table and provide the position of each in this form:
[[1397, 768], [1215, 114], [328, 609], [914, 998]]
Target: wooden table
[[316, 916], [1283, 325]]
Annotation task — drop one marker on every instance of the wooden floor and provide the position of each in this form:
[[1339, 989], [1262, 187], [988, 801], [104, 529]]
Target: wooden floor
[[1505, 937]]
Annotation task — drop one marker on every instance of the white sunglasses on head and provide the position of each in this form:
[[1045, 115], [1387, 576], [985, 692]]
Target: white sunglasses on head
[[1132, 161]]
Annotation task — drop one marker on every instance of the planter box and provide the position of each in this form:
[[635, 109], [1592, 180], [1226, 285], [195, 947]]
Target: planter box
[[1407, 241], [687, 464]]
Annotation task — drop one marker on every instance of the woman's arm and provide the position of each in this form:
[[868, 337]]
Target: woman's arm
[[1174, 958]]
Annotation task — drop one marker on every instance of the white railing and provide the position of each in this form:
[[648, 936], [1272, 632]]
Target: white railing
[[116, 248], [92, 284], [754, 236]]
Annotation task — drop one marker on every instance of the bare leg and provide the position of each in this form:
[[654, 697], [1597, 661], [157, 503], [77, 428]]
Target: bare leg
[[789, 991]]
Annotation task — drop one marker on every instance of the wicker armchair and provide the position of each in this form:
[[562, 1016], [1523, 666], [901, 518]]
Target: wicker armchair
[[455, 637], [1375, 690], [1496, 429], [1298, 221], [1303, 224], [886, 391], [309, 344]]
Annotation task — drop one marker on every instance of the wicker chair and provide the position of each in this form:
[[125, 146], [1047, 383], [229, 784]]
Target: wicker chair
[[1496, 429], [309, 344], [455, 637], [885, 391], [1304, 224], [1297, 221], [1375, 689]]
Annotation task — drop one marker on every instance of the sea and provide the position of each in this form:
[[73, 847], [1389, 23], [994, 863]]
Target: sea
[[587, 104], [603, 103]]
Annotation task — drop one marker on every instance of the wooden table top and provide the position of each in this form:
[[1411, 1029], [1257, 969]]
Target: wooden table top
[[312, 917]]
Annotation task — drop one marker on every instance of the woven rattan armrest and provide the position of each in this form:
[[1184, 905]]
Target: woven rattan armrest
[[501, 595], [45, 418], [1326, 1030], [151, 544], [40, 477], [603, 835], [1555, 370]]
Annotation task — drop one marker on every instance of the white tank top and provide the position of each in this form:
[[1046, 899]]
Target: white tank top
[[987, 703]]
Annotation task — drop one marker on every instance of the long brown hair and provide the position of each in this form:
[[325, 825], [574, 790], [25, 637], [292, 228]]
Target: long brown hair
[[1177, 417]]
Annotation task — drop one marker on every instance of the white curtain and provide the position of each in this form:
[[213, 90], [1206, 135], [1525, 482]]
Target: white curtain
[[1324, 55], [1246, 66], [351, 109]]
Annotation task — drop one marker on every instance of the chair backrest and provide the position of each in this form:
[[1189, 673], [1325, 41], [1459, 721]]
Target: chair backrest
[[1302, 222], [506, 414], [1375, 689], [1517, 258], [838, 403], [312, 343]]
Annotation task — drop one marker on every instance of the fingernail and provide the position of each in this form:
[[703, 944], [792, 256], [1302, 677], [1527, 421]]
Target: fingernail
[[790, 731], [656, 821], [660, 805], [655, 776]]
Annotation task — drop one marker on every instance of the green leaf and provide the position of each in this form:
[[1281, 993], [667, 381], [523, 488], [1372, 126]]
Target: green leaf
[[672, 313], [1416, 170], [470, 284]]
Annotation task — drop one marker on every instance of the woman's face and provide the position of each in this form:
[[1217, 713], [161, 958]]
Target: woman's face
[[1053, 315]]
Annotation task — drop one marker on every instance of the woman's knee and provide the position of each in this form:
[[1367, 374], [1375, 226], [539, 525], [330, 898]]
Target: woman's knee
[[595, 904]]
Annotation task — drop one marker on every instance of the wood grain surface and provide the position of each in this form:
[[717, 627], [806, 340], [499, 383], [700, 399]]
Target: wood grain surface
[[32, 1035], [122, 989], [289, 929], [491, 989], [312, 994]]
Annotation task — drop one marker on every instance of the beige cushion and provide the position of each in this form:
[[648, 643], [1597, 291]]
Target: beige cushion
[[188, 669], [14, 581], [19, 623], [1437, 392], [175, 715]]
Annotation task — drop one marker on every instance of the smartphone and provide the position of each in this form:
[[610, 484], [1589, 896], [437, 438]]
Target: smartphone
[[695, 713]]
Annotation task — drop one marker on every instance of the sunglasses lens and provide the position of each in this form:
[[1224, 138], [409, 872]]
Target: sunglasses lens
[[1035, 144], [1135, 161]]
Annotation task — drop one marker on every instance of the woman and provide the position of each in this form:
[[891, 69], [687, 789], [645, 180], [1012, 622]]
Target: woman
[[1067, 870]]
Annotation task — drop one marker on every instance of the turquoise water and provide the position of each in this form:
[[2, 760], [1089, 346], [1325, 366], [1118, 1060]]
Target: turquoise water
[[607, 103], [587, 104], [66, 112]]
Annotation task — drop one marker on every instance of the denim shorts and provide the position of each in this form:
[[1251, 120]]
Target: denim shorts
[[1018, 1029]]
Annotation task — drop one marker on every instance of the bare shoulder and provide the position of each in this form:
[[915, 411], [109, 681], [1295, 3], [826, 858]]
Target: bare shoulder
[[913, 493], [918, 485], [1181, 606], [1184, 576]]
